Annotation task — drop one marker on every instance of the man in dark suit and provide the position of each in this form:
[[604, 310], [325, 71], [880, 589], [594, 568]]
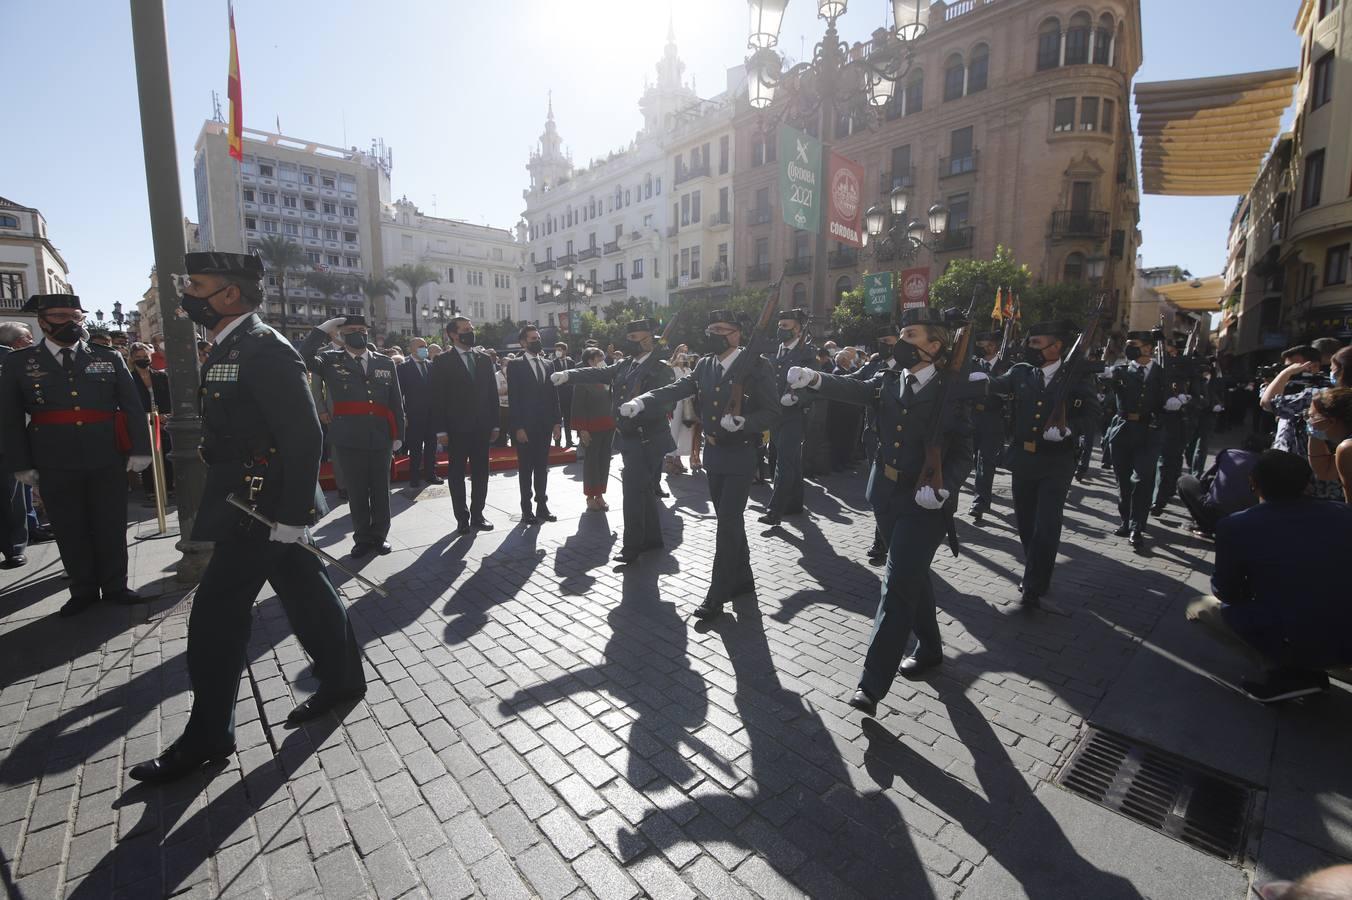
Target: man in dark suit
[[13, 493], [533, 409], [465, 414], [1280, 582], [1139, 397], [420, 432]]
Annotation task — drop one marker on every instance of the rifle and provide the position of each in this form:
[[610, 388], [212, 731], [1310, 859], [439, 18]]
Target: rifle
[[1072, 363], [1007, 340], [741, 366], [1194, 339]]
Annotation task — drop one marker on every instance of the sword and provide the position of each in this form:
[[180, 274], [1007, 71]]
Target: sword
[[308, 545]]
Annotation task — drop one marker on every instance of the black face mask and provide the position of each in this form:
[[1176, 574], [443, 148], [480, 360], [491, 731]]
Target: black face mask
[[141, 363], [68, 333], [1033, 356], [199, 310], [1132, 353], [785, 335], [716, 343], [906, 355], [355, 339], [466, 338], [633, 347], [535, 347]]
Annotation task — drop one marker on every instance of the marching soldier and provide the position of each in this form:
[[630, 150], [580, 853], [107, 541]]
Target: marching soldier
[[883, 359], [786, 499], [84, 419], [730, 429], [645, 439], [988, 425], [907, 400], [1179, 425], [261, 442], [1042, 456], [1139, 396], [368, 422]]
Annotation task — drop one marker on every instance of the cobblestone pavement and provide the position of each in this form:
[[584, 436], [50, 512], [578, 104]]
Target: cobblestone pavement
[[540, 724]]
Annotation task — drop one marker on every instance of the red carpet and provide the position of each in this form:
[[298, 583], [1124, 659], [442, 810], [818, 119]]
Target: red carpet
[[499, 459]]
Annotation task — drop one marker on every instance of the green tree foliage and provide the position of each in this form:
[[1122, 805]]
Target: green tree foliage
[[694, 309], [281, 257], [495, 334], [1047, 302], [983, 276], [850, 324]]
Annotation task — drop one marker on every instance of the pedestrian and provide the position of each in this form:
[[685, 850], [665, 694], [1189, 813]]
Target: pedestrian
[[415, 384], [15, 496], [78, 444], [1138, 393], [731, 426], [465, 415], [1330, 450], [261, 443], [504, 402], [593, 417], [1042, 455], [368, 423], [533, 404], [562, 362], [910, 400], [644, 439], [795, 350], [988, 425], [682, 418], [152, 386]]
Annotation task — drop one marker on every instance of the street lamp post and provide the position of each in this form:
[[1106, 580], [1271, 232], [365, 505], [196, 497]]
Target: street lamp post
[[831, 80], [893, 237], [570, 289], [441, 311]]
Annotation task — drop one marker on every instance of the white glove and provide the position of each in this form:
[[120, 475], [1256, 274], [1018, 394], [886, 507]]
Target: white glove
[[799, 377], [928, 499], [27, 476], [978, 376], [1173, 404], [289, 534], [1185, 397], [631, 408], [332, 325], [138, 463], [559, 378], [1217, 408], [732, 423], [1056, 434], [394, 448], [789, 399]]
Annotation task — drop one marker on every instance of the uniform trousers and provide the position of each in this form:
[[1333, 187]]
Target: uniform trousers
[[1039, 507], [421, 436], [532, 464], [1175, 428], [906, 607], [1136, 454], [88, 512], [787, 440], [642, 464], [1087, 441], [222, 616], [468, 447], [1195, 452], [732, 557], [14, 532], [988, 444], [367, 473]]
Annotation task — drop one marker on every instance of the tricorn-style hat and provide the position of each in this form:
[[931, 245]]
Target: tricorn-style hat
[[799, 315], [921, 315], [640, 325], [40, 302], [1145, 337], [1056, 328], [354, 320], [1180, 341], [242, 265], [887, 331], [724, 317]]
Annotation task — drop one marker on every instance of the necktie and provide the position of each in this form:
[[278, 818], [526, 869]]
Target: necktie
[[364, 370], [468, 358], [908, 393], [539, 369], [68, 361], [718, 370], [1041, 379]]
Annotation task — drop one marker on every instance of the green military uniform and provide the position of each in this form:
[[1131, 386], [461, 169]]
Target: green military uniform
[[1183, 377], [786, 438], [1137, 395], [71, 412], [988, 432]]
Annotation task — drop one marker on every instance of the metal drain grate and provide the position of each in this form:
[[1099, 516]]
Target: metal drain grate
[[1166, 793]]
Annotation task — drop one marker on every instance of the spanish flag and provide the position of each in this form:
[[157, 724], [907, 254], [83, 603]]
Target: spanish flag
[[234, 94], [998, 313]]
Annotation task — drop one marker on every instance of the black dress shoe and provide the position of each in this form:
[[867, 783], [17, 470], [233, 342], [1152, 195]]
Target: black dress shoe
[[976, 518], [175, 763], [913, 667], [414, 484], [14, 562], [41, 535], [436, 479], [463, 528], [709, 609], [661, 493], [544, 515], [321, 703], [482, 524], [1122, 530], [76, 605], [1030, 600], [528, 518], [1137, 538], [383, 548], [342, 496], [864, 703], [769, 519], [124, 597], [359, 550], [1157, 509]]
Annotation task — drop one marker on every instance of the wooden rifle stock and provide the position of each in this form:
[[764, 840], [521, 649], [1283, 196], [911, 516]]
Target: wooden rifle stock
[[1073, 362], [932, 475], [742, 364]]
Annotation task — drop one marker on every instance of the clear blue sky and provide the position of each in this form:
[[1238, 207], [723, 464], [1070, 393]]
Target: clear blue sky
[[458, 90]]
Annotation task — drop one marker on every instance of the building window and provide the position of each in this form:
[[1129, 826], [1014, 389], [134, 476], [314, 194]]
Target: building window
[[638, 268], [1074, 267], [978, 70], [955, 76], [264, 170], [1064, 118], [1103, 41], [694, 264], [312, 231], [350, 211], [1049, 45], [800, 295], [248, 195], [758, 153], [309, 206], [291, 228], [959, 211], [307, 178], [695, 207], [1321, 89], [312, 257], [327, 182], [333, 260], [1077, 40], [1314, 180], [330, 234], [250, 223], [350, 237], [762, 252], [1089, 113], [1335, 265], [913, 101], [268, 198], [1109, 111], [724, 145], [352, 262], [801, 246], [1326, 7], [843, 287], [12, 295], [330, 209], [289, 202]]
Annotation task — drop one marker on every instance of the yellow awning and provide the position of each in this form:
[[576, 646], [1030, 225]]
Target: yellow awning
[[1208, 136], [1204, 294]]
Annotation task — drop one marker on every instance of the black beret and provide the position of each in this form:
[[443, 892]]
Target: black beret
[[1058, 328], [921, 315], [640, 325], [724, 317], [39, 302], [243, 265], [1147, 337]]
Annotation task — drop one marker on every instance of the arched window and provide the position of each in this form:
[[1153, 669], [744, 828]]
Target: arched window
[[978, 69], [1103, 41], [1077, 39], [1049, 45], [955, 77], [799, 294], [843, 285], [7, 221], [914, 98], [1074, 268]]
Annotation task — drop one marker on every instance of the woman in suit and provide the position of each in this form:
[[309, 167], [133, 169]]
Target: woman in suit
[[595, 426], [153, 387]]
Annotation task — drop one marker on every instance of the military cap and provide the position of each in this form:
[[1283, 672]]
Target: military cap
[[992, 336], [798, 315], [1057, 328], [99, 331], [887, 331], [725, 317], [921, 315], [1180, 341], [1146, 337], [640, 325], [40, 302], [242, 265], [354, 320]]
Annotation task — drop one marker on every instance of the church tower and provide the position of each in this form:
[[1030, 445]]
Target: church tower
[[548, 164], [661, 101]]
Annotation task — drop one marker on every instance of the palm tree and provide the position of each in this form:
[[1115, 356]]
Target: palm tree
[[281, 256], [376, 288], [415, 276], [329, 284]]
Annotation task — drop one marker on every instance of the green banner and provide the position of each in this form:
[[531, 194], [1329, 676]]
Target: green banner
[[575, 321], [879, 298], [800, 176]]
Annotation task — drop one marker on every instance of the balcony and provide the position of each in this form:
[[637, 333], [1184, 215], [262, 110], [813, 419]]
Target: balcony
[[544, 266], [959, 238], [720, 274], [957, 165], [568, 259], [589, 253], [719, 219], [690, 174], [614, 284], [612, 247], [758, 217], [890, 181], [673, 230], [798, 265], [1079, 223], [673, 283], [758, 272], [844, 258]]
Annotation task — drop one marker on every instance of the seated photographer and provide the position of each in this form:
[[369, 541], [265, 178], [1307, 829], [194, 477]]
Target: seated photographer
[[1330, 448], [1224, 489], [1279, 582]]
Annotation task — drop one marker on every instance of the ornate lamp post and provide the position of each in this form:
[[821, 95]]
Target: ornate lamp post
[[441, 311], [570, 289], [893, 237]]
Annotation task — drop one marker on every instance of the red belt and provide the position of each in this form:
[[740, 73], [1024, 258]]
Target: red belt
[[92, 416], [367, 408]]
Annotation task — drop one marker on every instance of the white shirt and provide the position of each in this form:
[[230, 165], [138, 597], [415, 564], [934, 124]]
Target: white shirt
[[466, 357], [1049, 370], [785, 348], [1144, 369], [922, 378], [364, 358], [726, 363], [538, 364], [224, 332], [55, 349], [638, 360]]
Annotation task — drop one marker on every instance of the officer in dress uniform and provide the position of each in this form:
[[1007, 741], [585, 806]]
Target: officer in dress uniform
[[261, 441], [883, 359], [1139, 396], [645, 439], [368, 422], [730, 444], [1042, 457], [1184, 380], [913, 522], [794, 349], [85, 431], [988, 425]]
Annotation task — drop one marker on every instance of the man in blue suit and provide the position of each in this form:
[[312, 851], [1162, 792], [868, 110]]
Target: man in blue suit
[[533, 408], [1280, 583], [420, 432]]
